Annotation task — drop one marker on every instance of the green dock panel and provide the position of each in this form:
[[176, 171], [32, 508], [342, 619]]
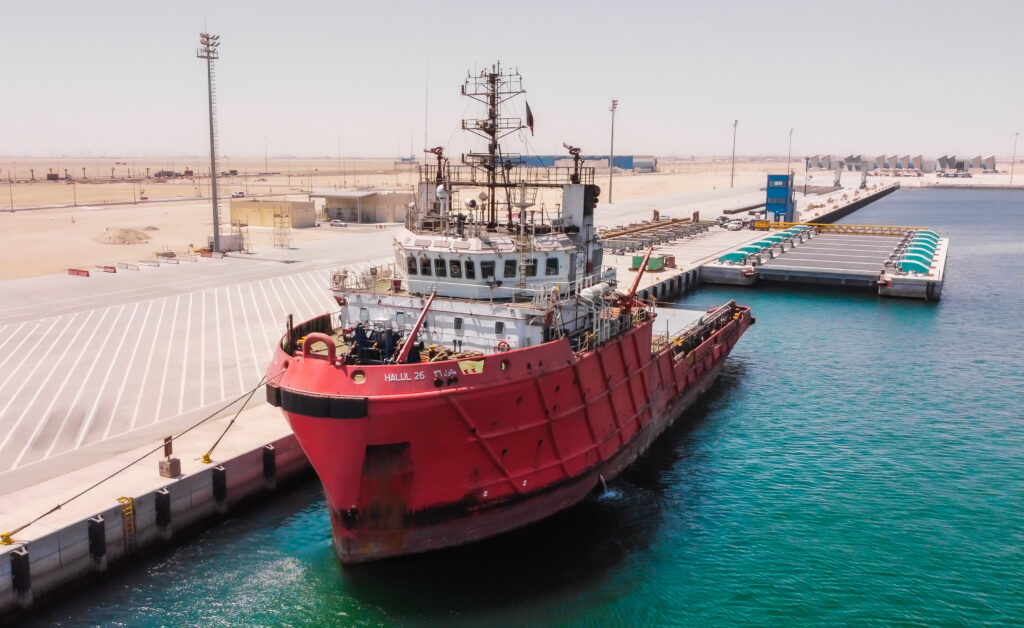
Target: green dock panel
[[927, 261], [912, 266], [735, 256]]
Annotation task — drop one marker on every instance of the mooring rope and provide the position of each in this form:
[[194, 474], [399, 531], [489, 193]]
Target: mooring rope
[[6, 537]]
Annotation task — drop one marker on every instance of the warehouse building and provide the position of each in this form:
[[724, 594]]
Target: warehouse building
[[365, 206], [261, 213]]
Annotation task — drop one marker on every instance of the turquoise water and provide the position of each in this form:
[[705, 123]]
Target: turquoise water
[[860, 461]]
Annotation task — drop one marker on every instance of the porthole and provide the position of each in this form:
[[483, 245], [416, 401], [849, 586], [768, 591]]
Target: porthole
[[358, 377]]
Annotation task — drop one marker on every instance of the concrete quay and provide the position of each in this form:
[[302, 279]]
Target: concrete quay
[[831, 212], [695, 251], [96, 532]]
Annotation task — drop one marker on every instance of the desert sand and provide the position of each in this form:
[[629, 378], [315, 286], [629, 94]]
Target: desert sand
[[56, 225], [51, 226]]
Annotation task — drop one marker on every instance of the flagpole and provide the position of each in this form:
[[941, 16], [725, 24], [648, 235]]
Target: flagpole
[[611, 150]]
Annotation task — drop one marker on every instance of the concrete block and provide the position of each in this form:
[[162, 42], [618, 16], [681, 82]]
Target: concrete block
[[44, 562], [170, 467], [74, 550], [200, 503], [114, 530], [146, 530], [244, 475]]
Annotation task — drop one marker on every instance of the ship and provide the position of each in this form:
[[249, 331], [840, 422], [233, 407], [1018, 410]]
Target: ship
[[495, 372]]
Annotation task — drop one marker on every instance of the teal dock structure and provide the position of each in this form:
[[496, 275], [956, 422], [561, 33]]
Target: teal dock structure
[[896, 261]]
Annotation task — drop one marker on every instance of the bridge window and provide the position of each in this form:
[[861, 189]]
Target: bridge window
[[439, 267], [499, 328], [425, 266], [470, 270], [531, 267], [455, 269], [411, 264], [487, 270], [458, 324], [510, 268], [551, 266]]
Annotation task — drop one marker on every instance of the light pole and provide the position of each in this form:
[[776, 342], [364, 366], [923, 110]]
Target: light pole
[[10, 188], [208, 51], [789, 154], [1013, 159], [732, 171], [807, 161], [266, 169], [611, 150]]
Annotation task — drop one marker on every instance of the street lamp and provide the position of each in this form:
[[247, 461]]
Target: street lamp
[[611, 150], [732, 172], [208, 51], [1013, 159], [789, 154]]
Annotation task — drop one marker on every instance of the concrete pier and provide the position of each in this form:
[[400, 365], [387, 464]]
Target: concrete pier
[[830, 213], [897, 261], [138, 509]]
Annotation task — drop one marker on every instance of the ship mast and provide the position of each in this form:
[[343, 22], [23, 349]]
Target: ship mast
[[492, 88]]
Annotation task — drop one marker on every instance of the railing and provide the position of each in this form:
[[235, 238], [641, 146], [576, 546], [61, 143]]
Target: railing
[[530, 175], [542, 292], [693, 335], [876, 230], [367, 279], [324, 324]]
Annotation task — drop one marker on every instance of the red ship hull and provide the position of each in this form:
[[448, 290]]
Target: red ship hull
[[415, 457]]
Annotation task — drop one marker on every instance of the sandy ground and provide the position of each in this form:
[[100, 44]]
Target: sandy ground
[[63, 235], [69, 216]]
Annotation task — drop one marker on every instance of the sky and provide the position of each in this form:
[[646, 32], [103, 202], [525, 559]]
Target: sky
[[90, 78]]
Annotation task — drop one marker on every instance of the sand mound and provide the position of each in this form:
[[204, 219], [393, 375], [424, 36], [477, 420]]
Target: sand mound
[[120, 235], [150, 228]]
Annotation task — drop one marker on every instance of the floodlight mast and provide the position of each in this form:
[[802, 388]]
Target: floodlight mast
[[208, 50]]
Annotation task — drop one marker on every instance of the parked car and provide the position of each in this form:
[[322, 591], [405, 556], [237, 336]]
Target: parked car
[[734, 225], [338, 223], [238, 195]]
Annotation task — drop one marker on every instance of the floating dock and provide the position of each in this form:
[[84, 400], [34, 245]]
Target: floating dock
[[898, 261]]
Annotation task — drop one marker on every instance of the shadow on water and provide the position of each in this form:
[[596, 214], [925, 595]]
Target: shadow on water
[[566, 550]]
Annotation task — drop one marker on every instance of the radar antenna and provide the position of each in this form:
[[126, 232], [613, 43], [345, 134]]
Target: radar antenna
[[439, 151], [492, 88], [576, 161]]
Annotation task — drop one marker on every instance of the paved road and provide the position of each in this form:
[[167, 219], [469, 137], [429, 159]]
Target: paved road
[[120, 358]]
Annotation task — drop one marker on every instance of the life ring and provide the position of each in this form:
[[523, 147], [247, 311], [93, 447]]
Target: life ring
[[502, 346]]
